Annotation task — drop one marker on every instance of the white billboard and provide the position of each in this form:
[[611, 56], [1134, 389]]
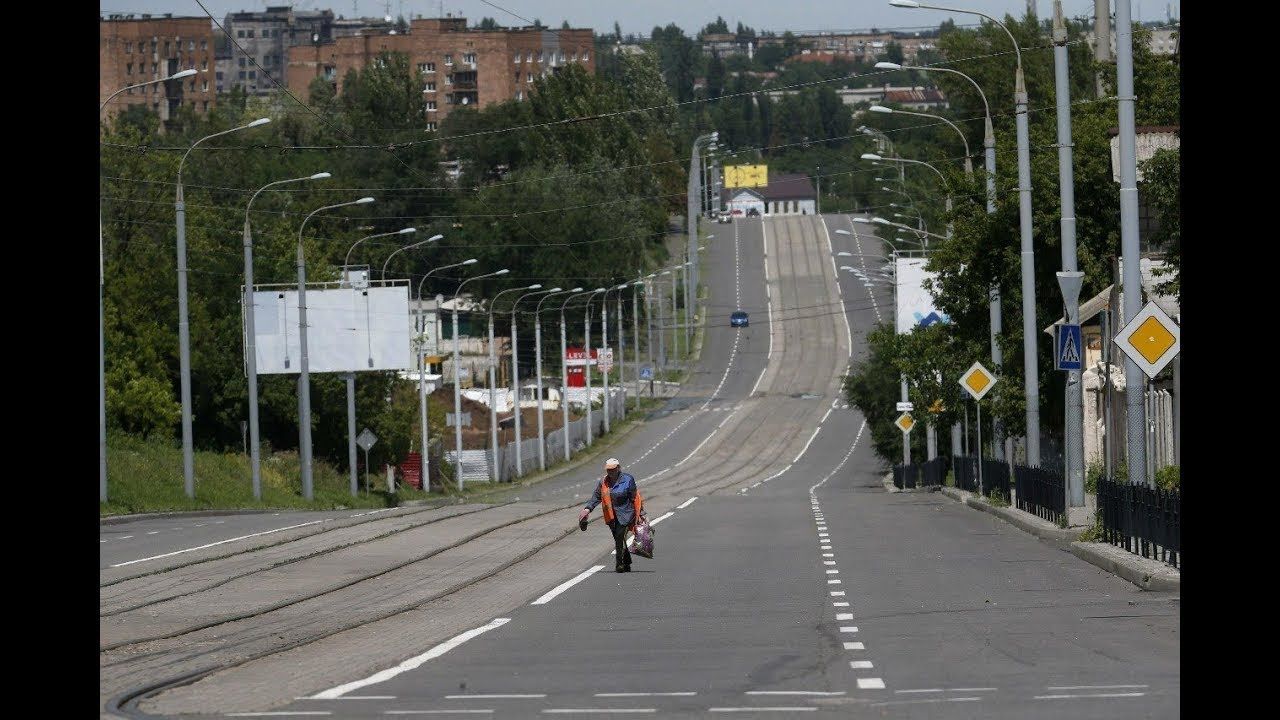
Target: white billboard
[[916, 306], [348, 330]]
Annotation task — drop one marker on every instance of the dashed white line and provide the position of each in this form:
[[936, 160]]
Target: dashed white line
[[1094, 687], [597, 711], [493, 697], [833, 582], [844, 616], [840, 604], [870, 684], [647, 694], [202, 547], [860, 664], [566, 585], [413, 662], [686, 503], [762, 709], [660, 518], [849, 628], [456, 711], [354, 697], [854, 646], [1090, 695], [794, 692], [837, 593]]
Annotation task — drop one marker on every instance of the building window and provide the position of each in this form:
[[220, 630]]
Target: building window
[[429, 87], [242, 74], [128, 48], [191, 45], [573, 57], [422, 67], [249, 33], [241, 60], [448, 79], [519, 94], [560, 57], [529, 57], [528, 78], [239, 33], [541, 55], [128, 68], [584, 56], [330, 72], [206, 106], [469, 58], [431, 105], [448, 59], [253, 74], [204, 86], [204, 44], [517, 59], [219, 75], [166, 48], [204, 64]]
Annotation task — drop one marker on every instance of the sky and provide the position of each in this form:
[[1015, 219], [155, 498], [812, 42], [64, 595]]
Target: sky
[[640, 16]]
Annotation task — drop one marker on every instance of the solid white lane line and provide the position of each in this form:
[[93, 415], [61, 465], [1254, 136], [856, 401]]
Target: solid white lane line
[[795, 692], [458, 711], [220, 542], [597, 711], [413, 662], [973, 689], [927, 700], [647, 694], [686, 503], [849, 628], [1091, 695], [761, 709], [806, 445], [824, 417], [870, 684], [550, 595], [354, 697], [493, 697], [1094, 687], [919, 690], [280, 713], [835, 274]]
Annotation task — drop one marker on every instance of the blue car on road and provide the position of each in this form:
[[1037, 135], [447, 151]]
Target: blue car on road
[[738, 319]]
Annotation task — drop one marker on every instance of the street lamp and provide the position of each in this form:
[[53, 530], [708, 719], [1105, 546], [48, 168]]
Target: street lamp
[[346, 276], [515, 371], [586, 322], [251, 349], [304, 379], [383, 274], [564, 370], [1031, 388], [604, 342], [184, 330], [874, 157], [422, 369], [968, 166], [537, 342], [102, 343], [493, 379], [457, 388]]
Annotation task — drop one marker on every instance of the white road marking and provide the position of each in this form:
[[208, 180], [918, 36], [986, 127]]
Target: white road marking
[[202, 547], [860, 664], [863, 258], [1091, 695], [833, 582], [647, 694], [413, 662], [355, 697], [844, 616], [762, 709], [828, 554], [927, 700], [1094, 687], [840, 604], [459, 711], [153, 532], [764, 245], [835, 274], [280, 713], [824, 417], [595, 711], [837, 593], [854, 646], [870, 684], [124, 537], [833, 572], [660, 518], [492, 697], [828, 562], [567, 584], [795, 692], [849, 628], [806, 445]]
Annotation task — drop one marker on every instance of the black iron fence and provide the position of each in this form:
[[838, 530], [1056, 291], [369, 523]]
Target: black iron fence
[[933, 472], [1145, 521], [995, 476], [906, 476], [966, 472], [1041, 492]]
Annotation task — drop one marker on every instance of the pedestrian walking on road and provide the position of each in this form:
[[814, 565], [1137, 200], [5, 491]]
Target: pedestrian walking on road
[[622, 505]]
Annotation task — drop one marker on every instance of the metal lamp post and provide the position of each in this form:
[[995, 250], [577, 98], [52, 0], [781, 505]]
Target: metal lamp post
[[422, 373], [184, 328], [457, 387], [564, 370], [304, 377], [515, 372], [493, 376], [102, 342], [251, 349], [537, 343]]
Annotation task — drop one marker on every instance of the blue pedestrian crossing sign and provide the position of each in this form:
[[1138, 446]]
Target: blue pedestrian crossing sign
[[1068, 353], [646, 373]]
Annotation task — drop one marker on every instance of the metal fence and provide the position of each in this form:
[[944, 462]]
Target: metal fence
[[1041, 492], [1145, 521], [905, 476], [995, 476], [966, 472], [933, 472]]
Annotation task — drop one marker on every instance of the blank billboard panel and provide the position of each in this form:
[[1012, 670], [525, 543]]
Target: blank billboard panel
[[348, 330], [916, 306]]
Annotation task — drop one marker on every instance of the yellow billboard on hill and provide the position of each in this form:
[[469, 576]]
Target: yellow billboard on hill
[[736, 176]]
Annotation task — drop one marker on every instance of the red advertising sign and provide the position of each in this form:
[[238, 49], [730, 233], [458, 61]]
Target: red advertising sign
[[575, 360]]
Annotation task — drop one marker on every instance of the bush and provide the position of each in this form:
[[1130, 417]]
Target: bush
[[1091, 475], [998, 499], [1169, 478]]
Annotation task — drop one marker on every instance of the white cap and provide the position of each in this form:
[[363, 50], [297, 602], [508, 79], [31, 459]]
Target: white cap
[[612, 463]]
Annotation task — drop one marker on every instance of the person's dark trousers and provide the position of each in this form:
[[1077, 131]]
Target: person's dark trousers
[[620, 543]]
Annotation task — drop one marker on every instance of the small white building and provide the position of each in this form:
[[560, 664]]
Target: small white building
[[786, 194]]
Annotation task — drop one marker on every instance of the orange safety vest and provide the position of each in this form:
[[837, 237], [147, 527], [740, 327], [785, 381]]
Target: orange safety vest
[[608, 504]]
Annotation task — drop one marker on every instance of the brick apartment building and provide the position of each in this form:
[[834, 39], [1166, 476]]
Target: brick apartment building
[[134, 50], [458, 65]]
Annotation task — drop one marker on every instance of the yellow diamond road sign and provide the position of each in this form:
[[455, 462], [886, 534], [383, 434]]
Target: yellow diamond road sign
[[977, 381], [1151, 339], [905, 422]]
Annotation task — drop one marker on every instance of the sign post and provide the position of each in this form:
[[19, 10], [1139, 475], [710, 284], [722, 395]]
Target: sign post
[[978, 381], [366, 440]]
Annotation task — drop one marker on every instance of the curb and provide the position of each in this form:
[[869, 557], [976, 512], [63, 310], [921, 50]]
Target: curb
[[1145, 573], [889, 486], [1027, 523], [117, 519]]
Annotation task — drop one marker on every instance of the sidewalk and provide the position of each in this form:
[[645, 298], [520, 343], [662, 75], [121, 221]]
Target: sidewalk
[[1145, 573]]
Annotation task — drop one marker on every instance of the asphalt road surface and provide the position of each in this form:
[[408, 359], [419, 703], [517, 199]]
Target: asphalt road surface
[[786, 580]]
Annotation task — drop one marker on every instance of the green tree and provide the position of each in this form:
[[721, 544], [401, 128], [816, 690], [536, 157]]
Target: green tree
[[488, 23], [715, 28], [1162, 187], [715, 77]]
